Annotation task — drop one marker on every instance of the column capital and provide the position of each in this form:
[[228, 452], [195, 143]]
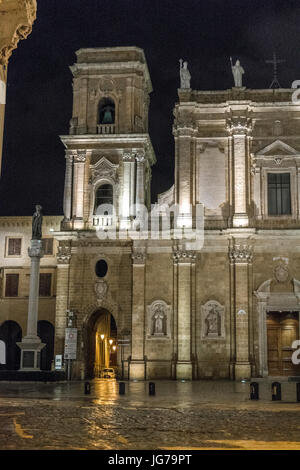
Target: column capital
[[70, 155], [80, 156], [239, 125], [139, 256], [140, 156], [36, 249], [184, 256], [63, 253], [128, 156], [241, 254]]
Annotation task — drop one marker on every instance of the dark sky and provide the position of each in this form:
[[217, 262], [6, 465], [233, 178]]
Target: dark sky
[[203, 32]]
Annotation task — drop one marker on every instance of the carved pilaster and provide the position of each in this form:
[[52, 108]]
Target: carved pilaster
[[64, 253], [241, 254]]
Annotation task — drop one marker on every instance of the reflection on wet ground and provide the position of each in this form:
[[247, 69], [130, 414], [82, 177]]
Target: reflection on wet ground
[[204, 414]]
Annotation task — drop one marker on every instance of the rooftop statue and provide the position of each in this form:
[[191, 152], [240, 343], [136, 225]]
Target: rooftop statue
[[185, 76], [237, 72]]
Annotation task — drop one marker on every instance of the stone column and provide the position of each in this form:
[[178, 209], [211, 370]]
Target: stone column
[[184, 261], [68, 185], [78, 192], [62, 294], [240, 257], [125, 214], [31, 344], [17, 17], [239, 128], [137, 364]]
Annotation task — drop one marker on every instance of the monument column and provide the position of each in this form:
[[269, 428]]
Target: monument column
[[239, 129], [31, 344], [62, 294], [137, 364], [183, 261], [240, 258]]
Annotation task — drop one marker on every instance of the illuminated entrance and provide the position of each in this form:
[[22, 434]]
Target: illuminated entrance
[[101, 346]]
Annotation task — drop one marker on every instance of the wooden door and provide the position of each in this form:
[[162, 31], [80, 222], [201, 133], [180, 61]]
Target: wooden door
[[282, 330]]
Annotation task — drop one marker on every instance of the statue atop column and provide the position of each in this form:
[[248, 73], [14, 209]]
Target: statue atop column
[[237, 72], [185, 76], [37, 220]]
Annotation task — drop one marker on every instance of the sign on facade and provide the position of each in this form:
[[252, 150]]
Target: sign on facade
[[58, 362], [2, 352], [70, 343]]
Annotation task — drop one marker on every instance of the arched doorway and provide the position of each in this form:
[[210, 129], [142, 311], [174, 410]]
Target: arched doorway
[[101, 346], [45, 331], [10, 334]]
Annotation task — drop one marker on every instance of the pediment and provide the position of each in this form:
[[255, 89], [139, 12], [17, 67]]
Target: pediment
[[103, 168], [278, 148]]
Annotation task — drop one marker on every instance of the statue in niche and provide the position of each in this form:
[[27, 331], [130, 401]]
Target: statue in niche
[[213, 322], [237, 72], [37, 220], [159, 321], [185, 76]]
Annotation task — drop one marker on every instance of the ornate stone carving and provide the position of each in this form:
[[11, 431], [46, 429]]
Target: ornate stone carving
[[64, 253], [138, 257], [100, 289], [140, 157], [241, 254], [158, 319], [128, 156], [18, 17], [104, 169], [36, 249], [80, 156], [277, 160], [281, 271], [182, 256], [239, 125], [212, 320]]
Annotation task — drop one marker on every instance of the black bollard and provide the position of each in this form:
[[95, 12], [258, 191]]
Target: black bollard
[[121, 388], [276, 391], [151, 388], [298, 391], [87, 388], [254, 391]]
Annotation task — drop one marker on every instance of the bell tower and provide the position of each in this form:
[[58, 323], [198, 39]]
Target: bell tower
[[108, 150]]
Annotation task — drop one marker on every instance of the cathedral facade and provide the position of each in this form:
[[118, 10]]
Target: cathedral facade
[[206, 284]]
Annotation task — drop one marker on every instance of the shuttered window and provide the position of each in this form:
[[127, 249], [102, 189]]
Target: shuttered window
[[47, 246], [11, 285], [279, 194], [45, 285], [14, 246]]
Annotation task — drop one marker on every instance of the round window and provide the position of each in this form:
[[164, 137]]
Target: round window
[[101, 268]]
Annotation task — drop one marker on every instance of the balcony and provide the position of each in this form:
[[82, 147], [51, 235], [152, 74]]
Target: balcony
[[106, 129], [103, 220]]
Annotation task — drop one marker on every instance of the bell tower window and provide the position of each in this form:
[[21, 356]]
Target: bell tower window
[[104, 195], [106, 116]]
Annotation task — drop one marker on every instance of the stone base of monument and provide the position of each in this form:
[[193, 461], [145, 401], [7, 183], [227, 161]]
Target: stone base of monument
[[30, 354]]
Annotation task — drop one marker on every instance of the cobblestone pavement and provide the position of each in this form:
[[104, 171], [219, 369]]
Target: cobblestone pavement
[[182, 415]]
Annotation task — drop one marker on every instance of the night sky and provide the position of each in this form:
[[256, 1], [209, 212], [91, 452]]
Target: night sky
[[203, 32]]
